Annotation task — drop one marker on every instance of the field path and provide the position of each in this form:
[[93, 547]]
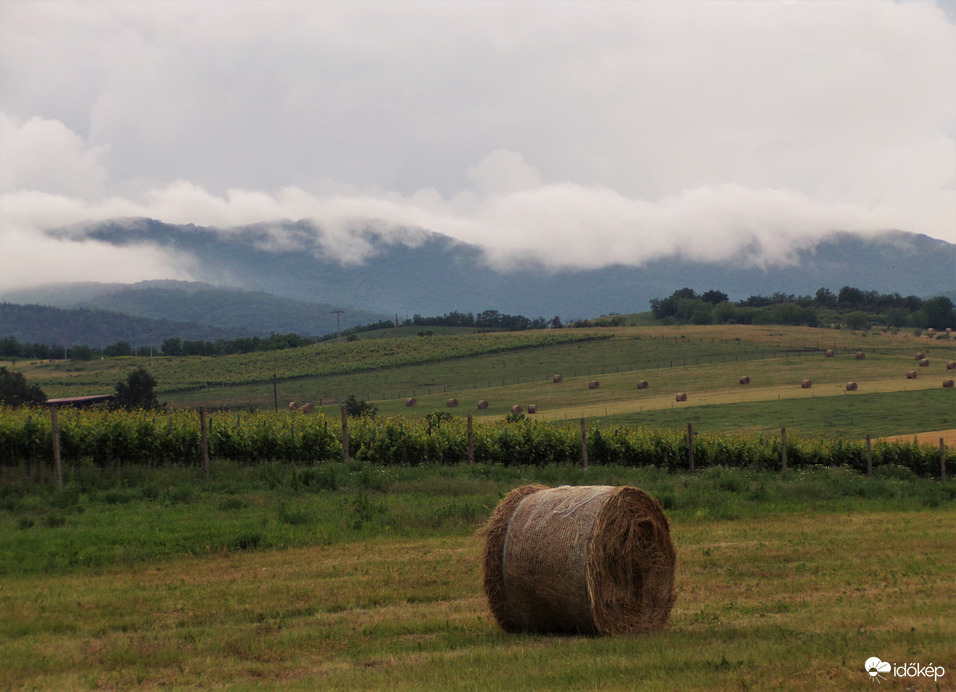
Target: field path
[[925, 438]]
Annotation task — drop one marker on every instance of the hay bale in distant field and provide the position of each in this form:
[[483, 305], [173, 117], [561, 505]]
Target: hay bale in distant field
[[588, 560], [805, 384], [924, 363], [947, 383], [293, 405], [642, 384], [920, 355], [931, 331], [557, 379], [410, 401], [851, 386], [451, 403], [593, 384], [307, 408], [911, 375], [860, 355], [482, 405], [829, 353], [532, 408], [681, 396], [744, 379], [517, 409], [951, 365]]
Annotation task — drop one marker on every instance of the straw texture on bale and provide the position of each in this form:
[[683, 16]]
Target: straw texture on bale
[[860, 355], [593, 384], [851, 386], [517, 408], [642, 384], [557, 379], [924, 363], [307, 408], [829, 353], [681, 396], [947, 383], [587, 559], [744, 379], [806, 384], [532, 408], [482, 405], [451, 403], [410, 401], [911, 375]]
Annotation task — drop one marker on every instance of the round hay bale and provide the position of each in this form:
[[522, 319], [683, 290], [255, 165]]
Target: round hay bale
[[642, 384], [805, 384], [557, 379], [931, 331], [829, 353], [588, 560], [947, 383], [482, 405], [681, 396], [293, 405], [860, 355], [517, 409], [532, 408], [951, 365], [851, 386], [920, 355], [744, 379], [924, 363], [911, 375], [410, 401], [451, 403], [593, 384], [307, 408]]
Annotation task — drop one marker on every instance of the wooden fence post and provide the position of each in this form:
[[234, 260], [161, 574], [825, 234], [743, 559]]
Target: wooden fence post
[[471, 442], [942, 459], [57, 462], [783, 448], [869, 457], [204, 441], [345, 435], [584, 444], [690, 447]]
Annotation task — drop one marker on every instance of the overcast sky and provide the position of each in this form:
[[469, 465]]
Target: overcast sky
[[564, 133]]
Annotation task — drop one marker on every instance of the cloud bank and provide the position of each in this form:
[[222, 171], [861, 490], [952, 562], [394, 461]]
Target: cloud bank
[[565, 135]]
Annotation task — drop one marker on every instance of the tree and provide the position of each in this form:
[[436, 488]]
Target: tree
[[15, 391], [714, 297], [172, 347], [137, 390], [938, 313], [355, 408], [120, 348]]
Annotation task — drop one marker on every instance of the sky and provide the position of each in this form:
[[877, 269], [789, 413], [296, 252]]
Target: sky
[[566, 135]]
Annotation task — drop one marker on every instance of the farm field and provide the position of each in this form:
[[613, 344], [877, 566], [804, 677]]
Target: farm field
[[785, 581]]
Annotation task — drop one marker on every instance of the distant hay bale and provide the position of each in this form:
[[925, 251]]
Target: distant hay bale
[[911, 375], [482, 405], [951, 365], [451, 403], [924, 363], [517, 409], [593, 384], [681, 396], [744, 379], [947, 383], [806, 384], [307, 408], [586, 560], [920, 355], [410, 401], [851, 386], [829, 353], [642, 384], [557, 379], [532, 408], [931, 331], [860, 355], [293, 405]]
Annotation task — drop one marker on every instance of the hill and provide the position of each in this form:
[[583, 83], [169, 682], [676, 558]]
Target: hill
[[433, 274]]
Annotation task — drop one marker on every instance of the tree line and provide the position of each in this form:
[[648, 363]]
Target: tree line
[[850, 307]]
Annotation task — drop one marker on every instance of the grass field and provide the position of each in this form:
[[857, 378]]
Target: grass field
[[785, 581]]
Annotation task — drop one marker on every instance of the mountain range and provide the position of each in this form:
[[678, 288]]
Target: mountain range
[[256, 285]]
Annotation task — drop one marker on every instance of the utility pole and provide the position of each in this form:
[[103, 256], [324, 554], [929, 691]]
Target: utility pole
[[338, 323]]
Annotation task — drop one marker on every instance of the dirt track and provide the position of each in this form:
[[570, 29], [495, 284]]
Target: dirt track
[[927, 437]]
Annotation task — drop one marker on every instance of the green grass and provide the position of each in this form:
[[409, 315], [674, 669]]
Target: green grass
[[365, 578]]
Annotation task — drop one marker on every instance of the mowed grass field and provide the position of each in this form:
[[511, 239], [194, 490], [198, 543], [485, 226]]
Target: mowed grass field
[[784, 581]]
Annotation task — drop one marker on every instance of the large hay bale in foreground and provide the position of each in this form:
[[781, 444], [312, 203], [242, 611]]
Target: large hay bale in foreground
[[947, 383], [410, 401], [482, 405], [851, 386], [805, 384], [532, 408], [293, 405], [451, 403], [308, 408], [642, 384], [593, 384], [557, 379], [588, 559], [517, 409]]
